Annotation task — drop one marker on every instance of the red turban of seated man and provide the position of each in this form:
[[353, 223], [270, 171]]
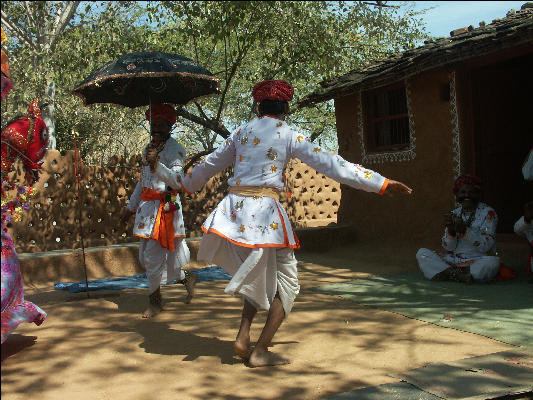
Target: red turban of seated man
[[273, 90], [164, 111], [471, 180]]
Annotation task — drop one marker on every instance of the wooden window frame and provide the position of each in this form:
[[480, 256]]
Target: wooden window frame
[[371, 120]]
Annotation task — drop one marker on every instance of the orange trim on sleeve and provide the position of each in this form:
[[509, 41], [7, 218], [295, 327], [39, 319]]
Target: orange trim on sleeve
[[251, 246], [384, 186], [184, 189]]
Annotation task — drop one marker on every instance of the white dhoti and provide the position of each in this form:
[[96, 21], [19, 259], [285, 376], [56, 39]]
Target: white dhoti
[[483, 269], [257, 273], [162, 265]]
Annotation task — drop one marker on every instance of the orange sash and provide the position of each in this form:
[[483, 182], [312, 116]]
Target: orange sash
[[164, 222]]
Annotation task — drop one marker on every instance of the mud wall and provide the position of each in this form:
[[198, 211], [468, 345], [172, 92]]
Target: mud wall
[[429, 171], [53, 221]]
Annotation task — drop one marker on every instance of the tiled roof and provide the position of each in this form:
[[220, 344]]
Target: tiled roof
[[464, 43]]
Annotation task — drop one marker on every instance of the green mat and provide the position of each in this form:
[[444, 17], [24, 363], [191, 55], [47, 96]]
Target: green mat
[[499, 310]]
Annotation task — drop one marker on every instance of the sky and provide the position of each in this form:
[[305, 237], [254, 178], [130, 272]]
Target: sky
[[445, 16]]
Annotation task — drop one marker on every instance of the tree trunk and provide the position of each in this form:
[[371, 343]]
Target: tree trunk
[[48, 113]]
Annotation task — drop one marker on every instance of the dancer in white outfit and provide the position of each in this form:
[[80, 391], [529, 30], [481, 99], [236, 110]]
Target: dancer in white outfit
[[468, 237], [159, 220], [249, 233]]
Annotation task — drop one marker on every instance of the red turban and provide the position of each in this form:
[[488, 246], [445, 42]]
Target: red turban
[[164, 111], [273, 90], [467, 180]]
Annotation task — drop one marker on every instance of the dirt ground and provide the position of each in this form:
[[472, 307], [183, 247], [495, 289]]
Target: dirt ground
[[100, 348]]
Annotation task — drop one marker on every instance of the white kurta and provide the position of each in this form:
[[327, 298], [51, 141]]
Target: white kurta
[[471, 249], [162, 265], [260, 151], [526, 230]]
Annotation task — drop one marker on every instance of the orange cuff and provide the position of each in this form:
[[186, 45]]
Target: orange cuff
[[384, 186]]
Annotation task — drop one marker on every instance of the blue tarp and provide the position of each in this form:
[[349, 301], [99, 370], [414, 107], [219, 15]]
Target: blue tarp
[[137, 281]]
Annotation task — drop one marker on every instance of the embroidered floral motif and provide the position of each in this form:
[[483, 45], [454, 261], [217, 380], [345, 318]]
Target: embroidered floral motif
[[279, 124], [256, 141], [300, 139], [368, 174], [238, 182], [241, 158], [263, 228], [274, 225], [272, 154], [238, 132], [141, 225], [239, 205], [255, 198], [244, 140], [273, 168], [227, 142], [317, 149], [131, 66], [233, 216], [242, 228]]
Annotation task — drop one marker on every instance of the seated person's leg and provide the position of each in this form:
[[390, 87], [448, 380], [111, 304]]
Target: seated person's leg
[[430, 263], [485, 269]]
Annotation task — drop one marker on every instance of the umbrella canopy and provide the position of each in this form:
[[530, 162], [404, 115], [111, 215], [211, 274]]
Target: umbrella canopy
[[143, 78]]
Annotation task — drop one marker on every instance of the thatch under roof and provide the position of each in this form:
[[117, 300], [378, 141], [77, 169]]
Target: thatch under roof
[[464, 43]]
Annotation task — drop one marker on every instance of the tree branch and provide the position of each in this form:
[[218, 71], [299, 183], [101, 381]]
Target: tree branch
[[62, 19], [18, 32], [29, 16], [195, 158], [215, 126]]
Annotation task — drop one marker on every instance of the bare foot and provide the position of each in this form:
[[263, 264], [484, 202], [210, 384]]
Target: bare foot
[[152, 311], [190, 282], [242, 348], [263, 358]]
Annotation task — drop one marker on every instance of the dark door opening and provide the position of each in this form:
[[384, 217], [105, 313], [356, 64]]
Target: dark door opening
[[502, 106]]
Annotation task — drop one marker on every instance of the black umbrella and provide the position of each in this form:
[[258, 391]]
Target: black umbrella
[[143, 78]]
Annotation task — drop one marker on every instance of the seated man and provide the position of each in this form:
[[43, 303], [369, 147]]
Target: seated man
[[524, 227], [469, 235]]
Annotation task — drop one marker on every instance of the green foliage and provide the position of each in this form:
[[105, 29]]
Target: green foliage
[[242, 42]]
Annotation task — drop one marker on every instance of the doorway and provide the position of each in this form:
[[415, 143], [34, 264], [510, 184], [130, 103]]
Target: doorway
[[502, 108]]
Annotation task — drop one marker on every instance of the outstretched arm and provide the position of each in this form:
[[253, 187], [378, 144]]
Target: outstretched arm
[[215, 162], [337, 168]]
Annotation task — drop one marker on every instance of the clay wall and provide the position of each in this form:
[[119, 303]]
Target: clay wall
[[430, 170], [52, 223]]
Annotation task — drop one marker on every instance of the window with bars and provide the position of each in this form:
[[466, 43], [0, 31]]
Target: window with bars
[[387, 119]]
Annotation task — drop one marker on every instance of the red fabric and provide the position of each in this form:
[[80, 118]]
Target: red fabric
[[165, 111], [505, 273], [164, 222], [26, 138], [273, 90], [466, 179]]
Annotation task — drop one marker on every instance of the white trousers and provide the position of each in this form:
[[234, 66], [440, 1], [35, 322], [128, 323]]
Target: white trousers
[[482, 270], [162, 265], [257, 273]]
